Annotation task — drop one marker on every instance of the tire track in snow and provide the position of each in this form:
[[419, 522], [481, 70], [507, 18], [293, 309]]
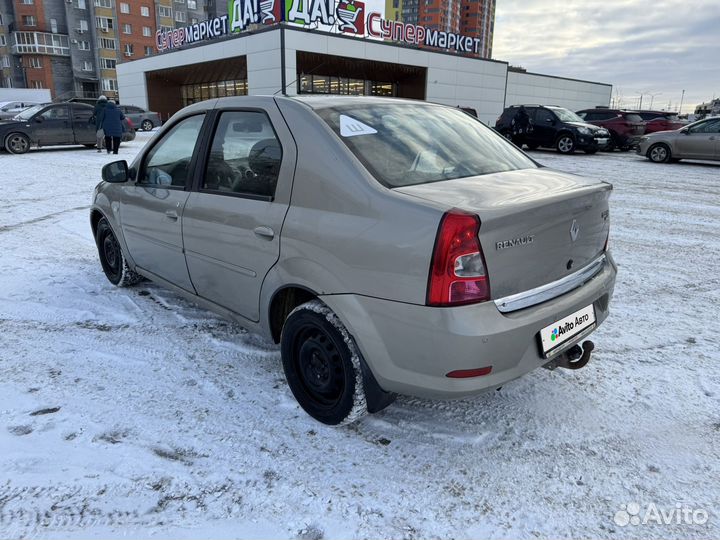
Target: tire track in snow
[[6, 228]]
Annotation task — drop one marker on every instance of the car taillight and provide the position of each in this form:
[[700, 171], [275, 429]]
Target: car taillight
[[130, 124], [457, 272]]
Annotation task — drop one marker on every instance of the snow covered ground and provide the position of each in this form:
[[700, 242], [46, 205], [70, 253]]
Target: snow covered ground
[[131, 412]]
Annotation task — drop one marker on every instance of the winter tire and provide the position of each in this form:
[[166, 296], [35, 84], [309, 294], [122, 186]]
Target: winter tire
[[146, 125], [17, 143], [322, 365], [659, 153], [112, 259], [565, 144]]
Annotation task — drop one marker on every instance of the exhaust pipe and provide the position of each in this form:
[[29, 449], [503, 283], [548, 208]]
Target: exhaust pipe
[[575, 357]]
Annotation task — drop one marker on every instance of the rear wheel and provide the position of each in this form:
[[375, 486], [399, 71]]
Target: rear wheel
[[112, 259], [147, 125], [565, 144], [322, 365], [659, 153], [17, 143]]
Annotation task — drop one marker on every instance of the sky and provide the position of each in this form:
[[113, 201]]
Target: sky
[[657, 48]]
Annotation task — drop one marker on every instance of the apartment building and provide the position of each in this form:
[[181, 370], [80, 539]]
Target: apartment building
[[72, 47], [474, 18]]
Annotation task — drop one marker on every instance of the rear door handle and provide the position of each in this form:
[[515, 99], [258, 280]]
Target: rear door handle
[[171, 214], [265, 233]]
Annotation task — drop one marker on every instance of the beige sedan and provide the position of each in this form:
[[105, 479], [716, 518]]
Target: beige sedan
[[700, 140]]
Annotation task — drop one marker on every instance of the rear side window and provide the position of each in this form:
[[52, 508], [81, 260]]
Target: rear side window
[[168, 163], [245, 155], [404, 144]]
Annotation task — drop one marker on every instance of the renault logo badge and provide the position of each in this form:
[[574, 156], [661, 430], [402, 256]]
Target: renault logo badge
[[574, 230]]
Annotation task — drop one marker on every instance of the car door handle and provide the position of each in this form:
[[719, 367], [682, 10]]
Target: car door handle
[[171, 214], [265, 233]]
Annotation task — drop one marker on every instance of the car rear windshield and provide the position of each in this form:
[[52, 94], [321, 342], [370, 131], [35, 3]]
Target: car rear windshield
[[406, 144]]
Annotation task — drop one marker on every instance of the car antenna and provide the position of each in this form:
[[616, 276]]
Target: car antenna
[[313, 70]]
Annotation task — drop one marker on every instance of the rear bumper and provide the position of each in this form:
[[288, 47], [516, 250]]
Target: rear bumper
[[410, 348]]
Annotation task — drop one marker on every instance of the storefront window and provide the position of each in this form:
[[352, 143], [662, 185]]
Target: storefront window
[[324, 84], [192, 93]]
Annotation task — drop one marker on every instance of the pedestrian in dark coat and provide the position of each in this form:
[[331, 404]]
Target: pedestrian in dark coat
[[521, 122], [98, 115], [112, 125]]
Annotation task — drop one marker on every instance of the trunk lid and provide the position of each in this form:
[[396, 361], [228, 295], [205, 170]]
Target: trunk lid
[[537, 225]]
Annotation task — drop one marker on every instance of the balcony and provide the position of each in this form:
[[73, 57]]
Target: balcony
[[40, 43]]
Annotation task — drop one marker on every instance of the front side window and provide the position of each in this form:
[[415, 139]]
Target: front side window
[[543, 117], [60, 112], [168, 163], [245, 156], [408, 144], [710, 126]]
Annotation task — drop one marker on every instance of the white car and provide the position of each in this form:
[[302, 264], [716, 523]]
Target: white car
[[8, 109]]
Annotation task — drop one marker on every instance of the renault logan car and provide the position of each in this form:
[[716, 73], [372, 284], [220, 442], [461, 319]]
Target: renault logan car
[[700, 140], [389, 246]]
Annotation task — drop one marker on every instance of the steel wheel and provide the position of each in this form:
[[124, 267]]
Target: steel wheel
[[112, 258], [322, 365], [146, 125], [659, 153], [17, 143], [566, 144]]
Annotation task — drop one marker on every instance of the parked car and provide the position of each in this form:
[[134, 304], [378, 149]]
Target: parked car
[[146, 120], [389, 246], [700, 140], [625, 127], [553, 127], [48, 125], [8, 109], [660, 121], [128, 130]]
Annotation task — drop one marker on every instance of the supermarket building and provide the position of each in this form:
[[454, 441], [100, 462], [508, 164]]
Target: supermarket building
[[267, 54]]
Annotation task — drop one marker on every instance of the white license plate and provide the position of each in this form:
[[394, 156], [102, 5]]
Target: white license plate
[[559, 332], [602, 141]]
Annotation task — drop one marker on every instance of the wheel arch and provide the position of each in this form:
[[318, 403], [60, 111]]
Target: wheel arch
[[282, 302]]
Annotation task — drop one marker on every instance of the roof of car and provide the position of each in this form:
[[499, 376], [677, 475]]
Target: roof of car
[[327, 100]]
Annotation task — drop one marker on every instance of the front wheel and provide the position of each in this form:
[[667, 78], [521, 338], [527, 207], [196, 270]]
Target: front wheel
[[565, 144], [17, 143], [659, 153], [146, 125], [322, 365], [112, 259]]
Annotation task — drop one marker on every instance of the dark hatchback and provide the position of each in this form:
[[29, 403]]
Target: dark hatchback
[[553, 127], [53, 124]]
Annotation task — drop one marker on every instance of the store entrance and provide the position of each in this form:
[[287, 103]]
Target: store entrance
[[169, 90], [327, 74]]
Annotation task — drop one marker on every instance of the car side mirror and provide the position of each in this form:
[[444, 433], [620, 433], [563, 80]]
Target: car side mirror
[[684, 131], [39, 119], [116, 172]]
